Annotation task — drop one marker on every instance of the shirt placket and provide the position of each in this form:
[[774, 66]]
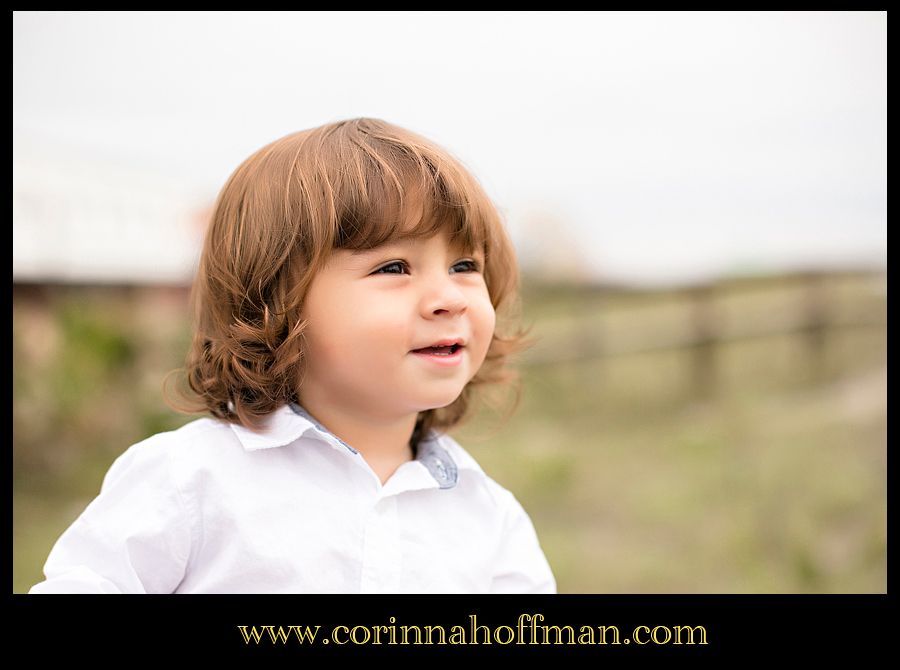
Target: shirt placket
[[382, 559]]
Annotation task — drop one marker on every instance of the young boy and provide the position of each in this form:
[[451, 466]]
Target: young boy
[[344, 319]]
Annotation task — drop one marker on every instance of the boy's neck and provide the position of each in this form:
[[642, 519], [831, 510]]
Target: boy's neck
[[382, 441]]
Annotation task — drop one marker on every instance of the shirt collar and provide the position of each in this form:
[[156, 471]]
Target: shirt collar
[[290, 422]]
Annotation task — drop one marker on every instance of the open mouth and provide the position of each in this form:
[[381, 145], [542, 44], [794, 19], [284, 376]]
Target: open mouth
[[439, 351]]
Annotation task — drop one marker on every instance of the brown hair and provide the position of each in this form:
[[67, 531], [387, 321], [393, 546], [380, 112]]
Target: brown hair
[[344, 185]]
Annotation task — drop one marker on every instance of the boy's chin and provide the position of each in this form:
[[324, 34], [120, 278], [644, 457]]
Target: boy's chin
[[438, 403]]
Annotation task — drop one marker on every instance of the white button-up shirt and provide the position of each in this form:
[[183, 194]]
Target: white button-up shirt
[[216, 508]]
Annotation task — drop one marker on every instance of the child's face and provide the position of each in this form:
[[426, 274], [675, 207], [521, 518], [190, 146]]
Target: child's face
[[367, 311]]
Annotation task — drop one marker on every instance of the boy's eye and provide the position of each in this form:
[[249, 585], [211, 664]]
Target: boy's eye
[[472, 266], [390, 266]]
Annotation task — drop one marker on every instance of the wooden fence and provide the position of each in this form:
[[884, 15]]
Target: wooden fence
[[704, 333]]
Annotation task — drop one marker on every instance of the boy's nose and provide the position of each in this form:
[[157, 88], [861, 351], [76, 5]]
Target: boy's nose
[[452, 305], [444, 297]]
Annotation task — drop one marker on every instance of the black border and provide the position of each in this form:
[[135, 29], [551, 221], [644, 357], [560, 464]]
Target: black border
[[175, 628]]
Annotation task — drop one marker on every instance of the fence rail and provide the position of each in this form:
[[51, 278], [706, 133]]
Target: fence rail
[[705, 331]]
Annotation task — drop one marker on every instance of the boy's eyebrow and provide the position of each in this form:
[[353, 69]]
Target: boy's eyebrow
[[393, 244], [389, 244]]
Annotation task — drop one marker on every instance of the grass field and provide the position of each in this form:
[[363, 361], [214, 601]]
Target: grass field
[[774, 484]]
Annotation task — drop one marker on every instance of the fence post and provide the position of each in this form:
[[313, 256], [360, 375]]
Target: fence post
[[705, 333], [815, 326]]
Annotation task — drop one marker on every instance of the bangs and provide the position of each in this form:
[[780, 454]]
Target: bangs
[[387, 192]]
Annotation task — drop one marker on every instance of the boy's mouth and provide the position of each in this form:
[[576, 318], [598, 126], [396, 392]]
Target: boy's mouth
[[439, 351], [445, 347]]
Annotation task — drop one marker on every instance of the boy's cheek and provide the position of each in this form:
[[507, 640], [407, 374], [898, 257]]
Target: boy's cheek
[[490, 321]]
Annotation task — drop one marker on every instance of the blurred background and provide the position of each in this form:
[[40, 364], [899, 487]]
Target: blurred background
[[699, 205]]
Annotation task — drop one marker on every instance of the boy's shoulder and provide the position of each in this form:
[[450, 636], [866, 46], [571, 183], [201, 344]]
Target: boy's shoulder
[[200, 434], [192, 432]]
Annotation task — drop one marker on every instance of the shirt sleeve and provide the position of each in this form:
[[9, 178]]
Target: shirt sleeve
[[134, 537], [521, 566]]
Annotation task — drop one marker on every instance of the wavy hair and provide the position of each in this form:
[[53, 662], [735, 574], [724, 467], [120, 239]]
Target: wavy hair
[[275, 223]]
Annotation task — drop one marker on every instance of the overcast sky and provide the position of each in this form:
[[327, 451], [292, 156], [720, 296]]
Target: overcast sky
[[642, 146]]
